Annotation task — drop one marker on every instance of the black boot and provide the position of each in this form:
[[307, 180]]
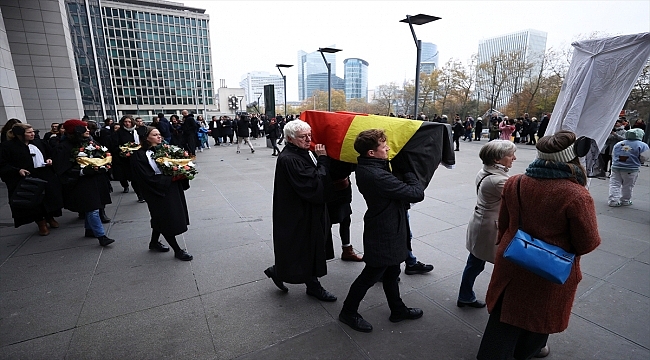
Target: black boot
[[102, 216], [105, 240]]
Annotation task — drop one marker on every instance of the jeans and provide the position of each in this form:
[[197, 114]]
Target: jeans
[[94, 223], [368, 277], [473, 268]]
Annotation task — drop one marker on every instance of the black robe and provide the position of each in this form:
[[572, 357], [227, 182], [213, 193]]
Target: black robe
[[14, 155], [300, 222], [121, 165], [80, 193], [165, 198]]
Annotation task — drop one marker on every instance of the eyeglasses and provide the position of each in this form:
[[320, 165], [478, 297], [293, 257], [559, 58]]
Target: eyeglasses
[[304, 137]]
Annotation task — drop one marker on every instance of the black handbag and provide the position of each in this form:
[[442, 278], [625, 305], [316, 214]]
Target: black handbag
[[28, 194]]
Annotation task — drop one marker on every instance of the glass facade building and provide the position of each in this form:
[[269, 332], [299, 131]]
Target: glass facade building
[[529, 44], [159, 56], [253, 84], [91, 58], [356, 79], [428, 58], [310, 64]]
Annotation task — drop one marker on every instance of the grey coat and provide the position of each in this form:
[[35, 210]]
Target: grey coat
[[385, 227], [482, 228]]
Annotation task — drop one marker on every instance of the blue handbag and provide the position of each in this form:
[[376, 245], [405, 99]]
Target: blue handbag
[[543, 259]]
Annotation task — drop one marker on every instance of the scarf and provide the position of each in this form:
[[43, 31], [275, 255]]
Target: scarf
[[545, 169]]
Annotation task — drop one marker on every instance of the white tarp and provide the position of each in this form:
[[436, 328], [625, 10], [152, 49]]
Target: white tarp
[[600, 78]]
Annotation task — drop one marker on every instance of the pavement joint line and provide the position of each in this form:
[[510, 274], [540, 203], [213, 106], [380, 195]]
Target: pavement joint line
[[448, 311], [17, 249], [609, 331]]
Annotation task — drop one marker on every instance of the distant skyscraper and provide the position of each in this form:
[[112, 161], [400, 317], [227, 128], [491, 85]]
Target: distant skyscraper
[[312, 64], [428, 58], [531, 44], [356, 79], [253, 84]]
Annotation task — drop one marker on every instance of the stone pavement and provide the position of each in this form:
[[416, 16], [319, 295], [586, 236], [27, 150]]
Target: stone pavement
[[64, 297]]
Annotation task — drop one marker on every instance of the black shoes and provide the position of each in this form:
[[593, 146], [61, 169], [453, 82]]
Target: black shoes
[[406, 314], [183, 255], [141, 200], [158, 246], [418, 268], [356, 322], [126, 190], [89, 233], [476, 304], [102, 216], [270, 273], [104, 240], [252, 151], [321, 294]]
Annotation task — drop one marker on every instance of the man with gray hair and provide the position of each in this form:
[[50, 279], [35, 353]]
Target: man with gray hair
[[300, 222]]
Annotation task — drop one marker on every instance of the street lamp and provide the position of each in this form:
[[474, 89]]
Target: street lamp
[[329, 74], [419, 19], [284, 80], [494, 78]]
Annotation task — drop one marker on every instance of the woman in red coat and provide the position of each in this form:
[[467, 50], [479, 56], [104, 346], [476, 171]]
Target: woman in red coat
[[557, 208]]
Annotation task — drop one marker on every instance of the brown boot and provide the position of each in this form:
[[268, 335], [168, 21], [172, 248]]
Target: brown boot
[[42, 228], [349, 255], [53, 223]]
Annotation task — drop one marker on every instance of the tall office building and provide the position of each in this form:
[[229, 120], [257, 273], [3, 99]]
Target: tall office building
[[91, 58], [159, 53], [356, 79], [253, 84], [310, 69], [428, 58], [529, 44]]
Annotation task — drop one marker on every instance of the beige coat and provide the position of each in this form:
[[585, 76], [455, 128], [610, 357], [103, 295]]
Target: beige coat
[[482, 228]]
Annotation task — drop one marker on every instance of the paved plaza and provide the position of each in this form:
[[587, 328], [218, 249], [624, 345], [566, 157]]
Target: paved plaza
[[63, 296]]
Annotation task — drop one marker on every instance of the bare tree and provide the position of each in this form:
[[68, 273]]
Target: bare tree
[[385, 96]]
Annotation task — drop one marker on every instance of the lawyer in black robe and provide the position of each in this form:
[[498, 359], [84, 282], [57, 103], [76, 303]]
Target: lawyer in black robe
[[300, 220], [164, 195], [122, 165]]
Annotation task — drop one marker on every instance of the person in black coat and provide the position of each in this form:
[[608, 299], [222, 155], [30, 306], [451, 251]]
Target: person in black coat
[[243, 132], [459, 130], [385, 229], [177, 131], [164, 127], [478, 129], [190, 130], [164, 194], [273, 135], [300, 223], [20, 156], [87, 189], [214, 127], [541, 131], [122, 165], [338, 195], [226, 127]]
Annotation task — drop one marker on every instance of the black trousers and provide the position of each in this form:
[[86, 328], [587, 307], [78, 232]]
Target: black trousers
[[505, 341], [368, 277]]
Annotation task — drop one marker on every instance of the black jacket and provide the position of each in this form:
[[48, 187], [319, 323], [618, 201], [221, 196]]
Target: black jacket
[[385, 227]]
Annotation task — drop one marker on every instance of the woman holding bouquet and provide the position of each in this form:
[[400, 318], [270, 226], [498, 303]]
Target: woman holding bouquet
[[85, 189], [125, 137], [164, 195], [21, 156]]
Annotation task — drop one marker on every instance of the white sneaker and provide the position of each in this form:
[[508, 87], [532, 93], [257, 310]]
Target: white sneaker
[[614, 203], [626, 202]]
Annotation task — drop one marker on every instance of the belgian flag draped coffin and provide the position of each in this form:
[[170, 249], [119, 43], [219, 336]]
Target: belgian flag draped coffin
[[415, 146]]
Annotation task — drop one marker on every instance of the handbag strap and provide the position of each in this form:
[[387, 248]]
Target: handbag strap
[[519, 200], [480, 181]]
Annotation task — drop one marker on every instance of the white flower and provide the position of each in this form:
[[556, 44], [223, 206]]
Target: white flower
[[191, 164], [90, 148], [104, 148], [82, 154], [167, 163]]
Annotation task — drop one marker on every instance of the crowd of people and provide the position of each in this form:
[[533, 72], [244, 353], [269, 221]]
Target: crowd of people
[[312, 192]]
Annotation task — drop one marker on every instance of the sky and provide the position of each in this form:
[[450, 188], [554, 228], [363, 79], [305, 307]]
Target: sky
[[255, 35]]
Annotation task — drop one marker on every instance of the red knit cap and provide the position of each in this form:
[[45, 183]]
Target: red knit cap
[[69, 125]]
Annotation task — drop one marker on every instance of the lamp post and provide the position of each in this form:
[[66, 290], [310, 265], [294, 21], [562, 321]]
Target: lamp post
[[494, 78], [329, 74], [284, 80], [419, 19]]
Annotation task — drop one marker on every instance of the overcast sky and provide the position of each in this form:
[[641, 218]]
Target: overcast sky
[[255, 35]]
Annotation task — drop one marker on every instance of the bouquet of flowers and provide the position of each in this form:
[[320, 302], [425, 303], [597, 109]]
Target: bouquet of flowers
[[90, 153], [175, 161], [127, 149]]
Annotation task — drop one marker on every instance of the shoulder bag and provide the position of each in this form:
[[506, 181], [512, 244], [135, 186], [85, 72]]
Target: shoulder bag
[[543, 259], [28, 194]]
